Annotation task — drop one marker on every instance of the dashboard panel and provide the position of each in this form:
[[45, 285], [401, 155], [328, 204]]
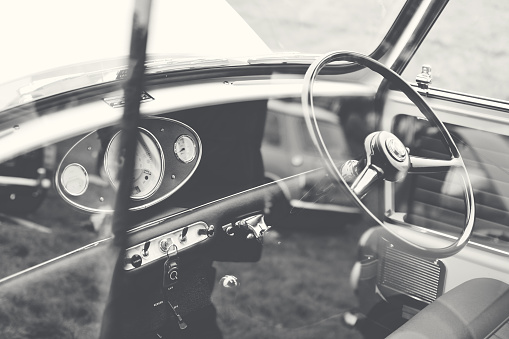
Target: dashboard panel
[[167, 154]]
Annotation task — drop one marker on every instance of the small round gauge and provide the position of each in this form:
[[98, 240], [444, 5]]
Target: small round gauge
[[185, 149], [74, 179], [148, 164]]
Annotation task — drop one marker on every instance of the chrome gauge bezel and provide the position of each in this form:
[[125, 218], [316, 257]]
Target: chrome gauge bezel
[[64, 182], [175, 148], [161, 168]]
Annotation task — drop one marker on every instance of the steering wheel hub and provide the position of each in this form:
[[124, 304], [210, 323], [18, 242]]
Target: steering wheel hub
[[386, 154], [396, 149]]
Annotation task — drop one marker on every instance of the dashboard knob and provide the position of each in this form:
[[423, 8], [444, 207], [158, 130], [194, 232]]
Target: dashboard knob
[[136, 260]]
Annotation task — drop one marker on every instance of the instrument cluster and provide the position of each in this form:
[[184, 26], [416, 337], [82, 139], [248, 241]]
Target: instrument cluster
[[167, 154]]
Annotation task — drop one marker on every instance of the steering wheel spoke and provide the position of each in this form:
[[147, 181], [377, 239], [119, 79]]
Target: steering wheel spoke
[[366, 179], [419, 165]]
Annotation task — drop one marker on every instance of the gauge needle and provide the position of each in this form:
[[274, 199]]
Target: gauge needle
[[145, 147], [182, 149], [137, 174]]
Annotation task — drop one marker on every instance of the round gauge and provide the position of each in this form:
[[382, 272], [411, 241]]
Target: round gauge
[[148, 164], [74, 179], [185, 148]]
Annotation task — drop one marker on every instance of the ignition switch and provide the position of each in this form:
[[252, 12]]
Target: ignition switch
[[171, 266]]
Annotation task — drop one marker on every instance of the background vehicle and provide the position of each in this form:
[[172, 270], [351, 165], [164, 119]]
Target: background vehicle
[[180, 244], [288, 150], [24, 181]]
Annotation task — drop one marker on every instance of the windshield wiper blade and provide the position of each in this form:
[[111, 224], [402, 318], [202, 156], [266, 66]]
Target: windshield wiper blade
[[166, 65], [284, 58]]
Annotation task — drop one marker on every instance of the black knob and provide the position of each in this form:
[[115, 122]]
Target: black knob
[[136, 260]]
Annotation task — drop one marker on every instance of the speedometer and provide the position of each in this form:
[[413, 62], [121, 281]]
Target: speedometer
[[148, 164]]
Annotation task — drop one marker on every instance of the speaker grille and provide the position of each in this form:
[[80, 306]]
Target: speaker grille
[[403, 273]]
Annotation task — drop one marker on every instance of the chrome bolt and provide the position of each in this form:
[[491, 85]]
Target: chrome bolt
[[210, 230], [164, 245]]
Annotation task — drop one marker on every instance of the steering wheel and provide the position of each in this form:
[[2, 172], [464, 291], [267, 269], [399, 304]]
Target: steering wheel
[[387, 158]]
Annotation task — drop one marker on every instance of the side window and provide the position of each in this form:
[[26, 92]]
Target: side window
[[468, 49]]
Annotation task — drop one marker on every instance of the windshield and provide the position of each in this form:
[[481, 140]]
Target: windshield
[[62, 50], [319, 26]]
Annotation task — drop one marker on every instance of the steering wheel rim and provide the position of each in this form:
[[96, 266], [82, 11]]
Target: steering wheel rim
[[425, 109]]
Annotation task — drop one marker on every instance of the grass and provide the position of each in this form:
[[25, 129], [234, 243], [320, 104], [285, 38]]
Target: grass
[[298, 289]]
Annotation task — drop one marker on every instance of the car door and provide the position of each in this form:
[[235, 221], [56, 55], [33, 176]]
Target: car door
[[468, 92], [475, 112]]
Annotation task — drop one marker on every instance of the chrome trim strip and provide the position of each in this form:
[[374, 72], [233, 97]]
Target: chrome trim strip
[[464, 98], [63, 256], [324, 207], [456, 112], [397, 220]]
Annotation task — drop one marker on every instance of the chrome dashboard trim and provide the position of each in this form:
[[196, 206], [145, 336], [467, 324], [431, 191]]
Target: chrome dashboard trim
[[194, 234]]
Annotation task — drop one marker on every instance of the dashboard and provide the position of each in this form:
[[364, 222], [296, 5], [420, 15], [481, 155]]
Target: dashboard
[[167, 154]]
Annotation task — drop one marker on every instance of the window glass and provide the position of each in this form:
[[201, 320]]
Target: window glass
[[319, 26], [468, 49]]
